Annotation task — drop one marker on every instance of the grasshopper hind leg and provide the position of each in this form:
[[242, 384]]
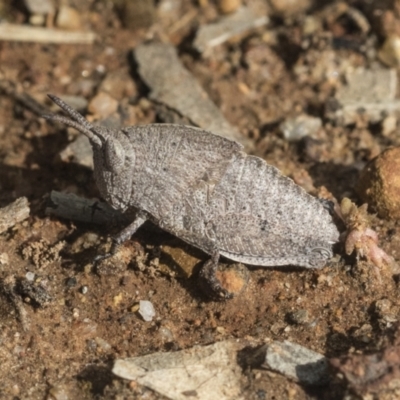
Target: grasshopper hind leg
[[209, 281]]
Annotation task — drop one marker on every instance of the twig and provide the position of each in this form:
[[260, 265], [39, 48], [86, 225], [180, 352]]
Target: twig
[[25, 33], [72, 207], [8, 87]]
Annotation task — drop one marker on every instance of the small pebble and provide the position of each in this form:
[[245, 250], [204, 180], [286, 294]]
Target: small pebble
[[288, 8], [30, 276], [84, 289], [389, 53], [220, 329], [228, 6], [389, 125], [68, 18], [146, 310], [87, 269], [118, 84], [379, 184], [117, 299], [137, 14], [57, 393], [134, 308], [37, 19], [103, 105], [298, 317], [294, 129], [71, 282]]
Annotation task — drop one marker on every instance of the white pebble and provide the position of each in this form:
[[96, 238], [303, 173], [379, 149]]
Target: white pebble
[[146, 310], [294, 129], [30, 276]]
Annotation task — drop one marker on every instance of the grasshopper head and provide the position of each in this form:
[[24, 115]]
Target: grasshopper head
[[113, 156]]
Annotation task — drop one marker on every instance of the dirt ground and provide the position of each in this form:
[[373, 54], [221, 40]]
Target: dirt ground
[[61, 331]]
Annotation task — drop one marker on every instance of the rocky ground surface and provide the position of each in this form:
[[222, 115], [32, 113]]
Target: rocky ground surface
[[309, 86]]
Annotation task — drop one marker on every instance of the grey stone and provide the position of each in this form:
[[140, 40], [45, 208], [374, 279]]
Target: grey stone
[[297, 362]]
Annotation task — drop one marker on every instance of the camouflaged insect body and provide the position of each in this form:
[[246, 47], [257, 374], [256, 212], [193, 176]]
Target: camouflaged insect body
[[205, 190]]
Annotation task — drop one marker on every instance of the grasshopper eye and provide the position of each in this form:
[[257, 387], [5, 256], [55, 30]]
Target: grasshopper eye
[[114, 155]]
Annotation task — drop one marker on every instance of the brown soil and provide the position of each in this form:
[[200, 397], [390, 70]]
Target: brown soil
[[66, 341]]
